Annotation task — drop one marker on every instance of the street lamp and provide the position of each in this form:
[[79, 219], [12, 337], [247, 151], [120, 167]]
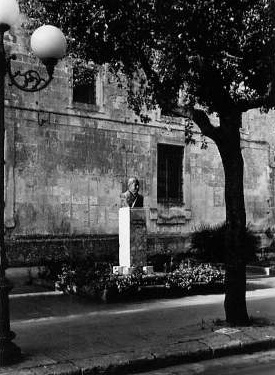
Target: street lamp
[[49, 44]]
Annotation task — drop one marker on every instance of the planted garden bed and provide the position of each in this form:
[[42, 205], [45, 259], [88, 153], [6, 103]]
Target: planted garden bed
[[106, 286]]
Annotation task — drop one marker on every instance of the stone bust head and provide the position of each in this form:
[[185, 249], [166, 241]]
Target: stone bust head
[[132, 197], [133, 185]]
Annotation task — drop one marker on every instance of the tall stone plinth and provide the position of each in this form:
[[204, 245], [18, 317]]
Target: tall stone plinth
[[132, 237]]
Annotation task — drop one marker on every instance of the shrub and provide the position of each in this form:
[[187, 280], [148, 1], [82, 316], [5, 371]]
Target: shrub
[[186, 276], [162, 262], [97, 284], [75, 272], [50, 269], [83, 277], [208, 243]]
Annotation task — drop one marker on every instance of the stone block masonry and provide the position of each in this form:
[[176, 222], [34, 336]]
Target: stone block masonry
[[67, 164], [36, 250]]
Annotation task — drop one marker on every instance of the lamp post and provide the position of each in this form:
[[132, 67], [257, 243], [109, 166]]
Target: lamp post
[[49, 44]]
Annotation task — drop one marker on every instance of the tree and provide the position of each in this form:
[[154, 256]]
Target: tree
[[218, 53]]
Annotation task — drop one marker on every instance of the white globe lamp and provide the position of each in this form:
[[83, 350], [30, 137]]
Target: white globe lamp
[[48, 43]]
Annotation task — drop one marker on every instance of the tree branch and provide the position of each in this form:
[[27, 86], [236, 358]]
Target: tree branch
[[199, 117], [149, 71], [267, 101]]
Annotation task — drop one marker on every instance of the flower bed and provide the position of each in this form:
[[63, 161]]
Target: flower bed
[[110, 287]]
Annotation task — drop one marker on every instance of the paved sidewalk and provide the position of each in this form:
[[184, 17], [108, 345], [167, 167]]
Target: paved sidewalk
[[205, 346], [63, 335]]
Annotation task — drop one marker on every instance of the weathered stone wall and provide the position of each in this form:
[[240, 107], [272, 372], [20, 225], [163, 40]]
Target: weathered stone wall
[[259, 131], [67, 164], [39, 250], [68, 177]]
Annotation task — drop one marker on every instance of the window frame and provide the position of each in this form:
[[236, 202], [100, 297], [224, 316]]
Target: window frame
[[90, 93], [98, 106], [165, 153]]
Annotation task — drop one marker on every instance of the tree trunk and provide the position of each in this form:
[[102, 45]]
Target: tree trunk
[[227, 139], [235, 262]]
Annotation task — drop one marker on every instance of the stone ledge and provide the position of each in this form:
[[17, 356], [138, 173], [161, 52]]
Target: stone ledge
[[33, 250]]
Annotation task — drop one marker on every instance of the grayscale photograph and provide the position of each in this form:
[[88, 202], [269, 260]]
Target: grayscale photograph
[[137, 187]]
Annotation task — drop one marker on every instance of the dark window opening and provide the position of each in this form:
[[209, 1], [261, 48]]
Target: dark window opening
[[169, 183], [85, 92]]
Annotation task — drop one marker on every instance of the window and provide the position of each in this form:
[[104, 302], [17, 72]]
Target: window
[[84, 92], [169, 183]]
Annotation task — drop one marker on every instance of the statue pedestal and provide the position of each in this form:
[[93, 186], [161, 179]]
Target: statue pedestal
[[132, 237]]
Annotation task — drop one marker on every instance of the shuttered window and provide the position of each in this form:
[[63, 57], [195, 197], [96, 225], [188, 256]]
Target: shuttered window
[[169, 171]]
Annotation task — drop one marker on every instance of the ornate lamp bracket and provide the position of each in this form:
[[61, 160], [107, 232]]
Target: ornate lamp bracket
[[30, 80]]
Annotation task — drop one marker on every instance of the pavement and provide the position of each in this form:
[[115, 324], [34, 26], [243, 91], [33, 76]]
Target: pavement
[[61, 334]]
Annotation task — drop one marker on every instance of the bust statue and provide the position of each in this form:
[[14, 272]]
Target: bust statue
[[131, 196]]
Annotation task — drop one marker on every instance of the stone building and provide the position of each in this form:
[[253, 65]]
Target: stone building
[[70, 151]]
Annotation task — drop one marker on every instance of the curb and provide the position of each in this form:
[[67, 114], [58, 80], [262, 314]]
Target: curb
[[126, 363], [35, 294]]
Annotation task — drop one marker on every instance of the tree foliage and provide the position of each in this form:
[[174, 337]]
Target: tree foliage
[[219, 52], [208, 243]]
